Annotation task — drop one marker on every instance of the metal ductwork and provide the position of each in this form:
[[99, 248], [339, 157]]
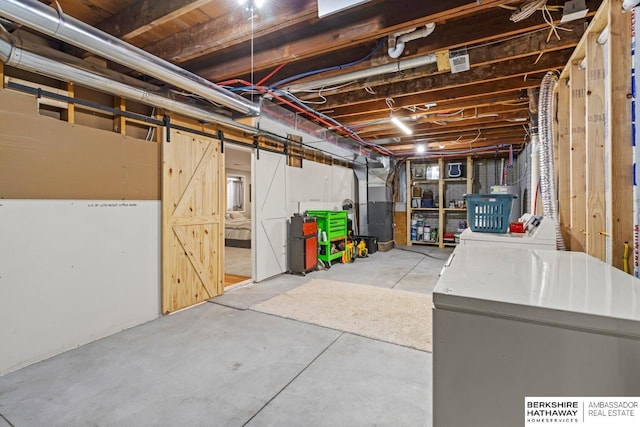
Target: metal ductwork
[[47, 20], [52, 63], [374, 197], [395, 67], [14, 55]]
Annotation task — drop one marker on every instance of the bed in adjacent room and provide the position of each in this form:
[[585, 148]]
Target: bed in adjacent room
[[237, 230]]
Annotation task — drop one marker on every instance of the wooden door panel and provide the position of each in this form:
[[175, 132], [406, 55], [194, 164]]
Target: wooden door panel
[[192, 208]]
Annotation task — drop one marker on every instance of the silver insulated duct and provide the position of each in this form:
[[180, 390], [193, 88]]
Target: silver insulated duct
[[547, 168], [12, 54], [47, 20]]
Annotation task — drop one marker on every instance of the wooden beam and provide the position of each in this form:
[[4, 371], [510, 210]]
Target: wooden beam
[[526, 45], [508, 99], [621, 157], [577, 108], [421, 128], [69, 114], [144, 15], [119, 121], [364, 24], [475, 76], [563, 165], [459, 116], [595, 165], [230, 29], [479, 90], [597, 24]]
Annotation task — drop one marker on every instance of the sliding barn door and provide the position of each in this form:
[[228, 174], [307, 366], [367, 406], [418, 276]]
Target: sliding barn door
[[271, 215], [192, 215]]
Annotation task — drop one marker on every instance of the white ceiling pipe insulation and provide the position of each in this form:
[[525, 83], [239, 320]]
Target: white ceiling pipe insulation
[[398, 40], [13, 55], [45, 19], [401, 65], [629, 4]]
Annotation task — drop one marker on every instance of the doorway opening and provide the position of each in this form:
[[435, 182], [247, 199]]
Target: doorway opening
[[238, 217]]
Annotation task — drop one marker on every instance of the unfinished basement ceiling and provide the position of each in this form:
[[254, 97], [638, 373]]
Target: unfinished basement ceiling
[[281, 46]]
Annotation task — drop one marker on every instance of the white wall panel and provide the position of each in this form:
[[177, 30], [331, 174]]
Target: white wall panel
[[72, 272], [319, 186]]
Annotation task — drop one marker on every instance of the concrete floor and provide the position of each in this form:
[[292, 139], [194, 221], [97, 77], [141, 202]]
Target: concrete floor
[[222, 364]]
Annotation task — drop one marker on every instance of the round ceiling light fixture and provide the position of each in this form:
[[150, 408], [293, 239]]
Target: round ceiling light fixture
[[251, 4]]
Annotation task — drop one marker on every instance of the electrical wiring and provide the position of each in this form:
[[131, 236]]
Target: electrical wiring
[[323, 89], [546, 14], [299, 106], [268, 76], [323, 99], [323, 70], [527, 9]]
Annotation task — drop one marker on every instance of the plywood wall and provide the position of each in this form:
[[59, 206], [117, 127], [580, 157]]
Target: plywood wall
[[45, 158]]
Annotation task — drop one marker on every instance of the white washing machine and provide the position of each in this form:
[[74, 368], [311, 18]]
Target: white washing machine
[[540, 234], [511, 323]]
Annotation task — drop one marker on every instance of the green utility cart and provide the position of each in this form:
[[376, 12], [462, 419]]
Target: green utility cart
[[332, 234]]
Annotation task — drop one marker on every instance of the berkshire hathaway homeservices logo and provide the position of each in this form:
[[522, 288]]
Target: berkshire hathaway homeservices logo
[[582, 411]]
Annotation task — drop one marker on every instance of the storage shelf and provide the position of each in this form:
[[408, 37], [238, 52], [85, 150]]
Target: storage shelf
[[443, 210], [423, 242], [424, 181]]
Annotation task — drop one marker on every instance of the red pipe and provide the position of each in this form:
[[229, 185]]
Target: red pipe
[[271, 74], [265, 90]]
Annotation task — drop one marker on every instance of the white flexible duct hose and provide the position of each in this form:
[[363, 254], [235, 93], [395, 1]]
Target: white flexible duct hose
[[629, 4], [547, 169]]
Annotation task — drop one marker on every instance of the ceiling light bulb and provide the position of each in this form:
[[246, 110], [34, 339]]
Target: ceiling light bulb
[[420, 148], [441, 146], [401, 125], [251, 4]]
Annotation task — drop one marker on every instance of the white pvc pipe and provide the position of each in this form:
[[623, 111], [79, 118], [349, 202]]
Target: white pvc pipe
[[535, 174], [401, 39]]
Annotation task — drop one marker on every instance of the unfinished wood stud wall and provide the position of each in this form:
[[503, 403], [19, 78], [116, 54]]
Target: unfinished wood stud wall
[[596, 226], [595, 181], [619, 130], [563, 153], [577, 108]]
